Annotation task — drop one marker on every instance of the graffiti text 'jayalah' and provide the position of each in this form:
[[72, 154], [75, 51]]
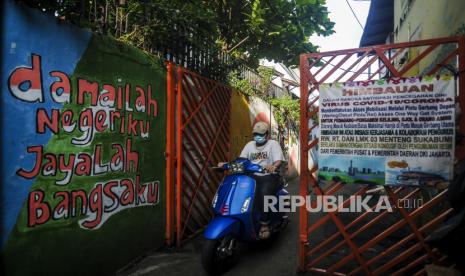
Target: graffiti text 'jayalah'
[[124, 110]]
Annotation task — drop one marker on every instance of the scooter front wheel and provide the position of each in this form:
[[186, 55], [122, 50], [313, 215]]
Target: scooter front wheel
[[219, 255]]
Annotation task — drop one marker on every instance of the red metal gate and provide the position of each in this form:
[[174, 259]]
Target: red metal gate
[[360, 244], [197, 140]]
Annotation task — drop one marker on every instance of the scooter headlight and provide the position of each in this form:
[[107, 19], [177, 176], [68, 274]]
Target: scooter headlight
[[215, 198], [245, 206], [237, 168]]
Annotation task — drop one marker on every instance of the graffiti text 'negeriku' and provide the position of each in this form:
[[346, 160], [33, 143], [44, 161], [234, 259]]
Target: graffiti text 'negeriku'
[[124, 110], [107, 104]]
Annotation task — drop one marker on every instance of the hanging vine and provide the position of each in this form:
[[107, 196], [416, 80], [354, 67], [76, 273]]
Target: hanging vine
[[286, 109]]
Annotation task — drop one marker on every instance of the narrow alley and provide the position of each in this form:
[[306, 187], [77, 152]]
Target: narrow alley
[[276, 257]]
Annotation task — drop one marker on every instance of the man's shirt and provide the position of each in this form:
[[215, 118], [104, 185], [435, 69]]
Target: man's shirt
[[263, 155]]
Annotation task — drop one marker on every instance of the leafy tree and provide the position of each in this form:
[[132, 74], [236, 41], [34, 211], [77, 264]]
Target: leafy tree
[[277, 30], [247, 30]]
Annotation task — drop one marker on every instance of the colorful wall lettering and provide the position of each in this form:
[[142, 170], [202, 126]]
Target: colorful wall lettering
[[83, 143]]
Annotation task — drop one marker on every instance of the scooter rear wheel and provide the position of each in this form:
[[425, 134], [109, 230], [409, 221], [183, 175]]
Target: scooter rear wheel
[[219, 255]]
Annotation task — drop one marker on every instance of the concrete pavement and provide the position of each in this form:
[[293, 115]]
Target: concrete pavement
[[277, 258]]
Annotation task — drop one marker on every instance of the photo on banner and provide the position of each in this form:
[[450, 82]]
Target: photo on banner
[[398, 131]]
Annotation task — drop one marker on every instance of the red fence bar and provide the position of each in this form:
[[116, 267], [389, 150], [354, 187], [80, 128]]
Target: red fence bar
[[170, 152], [199, 138], [303, 161]]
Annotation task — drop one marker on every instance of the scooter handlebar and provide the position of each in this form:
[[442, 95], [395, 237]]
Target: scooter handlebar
[[218, 168]]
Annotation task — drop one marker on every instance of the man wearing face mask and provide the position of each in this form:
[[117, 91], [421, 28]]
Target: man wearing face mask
[[267, 153]]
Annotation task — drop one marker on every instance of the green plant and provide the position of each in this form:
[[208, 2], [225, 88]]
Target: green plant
[[266, 75], [242, 85], [259, 89], [286, 110]]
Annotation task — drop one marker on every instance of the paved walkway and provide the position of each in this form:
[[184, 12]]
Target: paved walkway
[[278, 258]]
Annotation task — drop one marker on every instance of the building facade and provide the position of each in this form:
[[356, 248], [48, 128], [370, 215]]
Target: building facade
[[410, 20]]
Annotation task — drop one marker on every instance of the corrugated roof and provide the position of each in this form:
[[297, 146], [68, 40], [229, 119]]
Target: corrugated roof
[[379, 24]]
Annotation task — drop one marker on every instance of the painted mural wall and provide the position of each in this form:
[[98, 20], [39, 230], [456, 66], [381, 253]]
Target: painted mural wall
[[83, 140], [241, 124], [247, 111]]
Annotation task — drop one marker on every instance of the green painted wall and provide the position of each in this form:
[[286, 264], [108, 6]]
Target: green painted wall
[[119, 171]]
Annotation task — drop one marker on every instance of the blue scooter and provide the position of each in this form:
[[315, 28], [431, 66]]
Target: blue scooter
[[236, 218]]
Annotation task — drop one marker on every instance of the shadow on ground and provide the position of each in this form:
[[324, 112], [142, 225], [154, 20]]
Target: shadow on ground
[[278, 257]]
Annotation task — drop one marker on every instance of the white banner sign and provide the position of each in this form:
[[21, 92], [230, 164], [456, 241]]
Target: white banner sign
[[388, 132]]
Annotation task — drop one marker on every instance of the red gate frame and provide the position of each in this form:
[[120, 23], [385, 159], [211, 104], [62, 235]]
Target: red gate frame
[[170, 151], [307, 110], [199, 112]]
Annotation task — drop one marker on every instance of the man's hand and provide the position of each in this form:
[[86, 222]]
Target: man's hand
[[270, 168], [221, 164]]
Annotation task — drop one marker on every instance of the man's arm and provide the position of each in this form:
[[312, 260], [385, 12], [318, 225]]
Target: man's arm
[[244, 154], [277, 163], [272, 168], [278, 157]]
